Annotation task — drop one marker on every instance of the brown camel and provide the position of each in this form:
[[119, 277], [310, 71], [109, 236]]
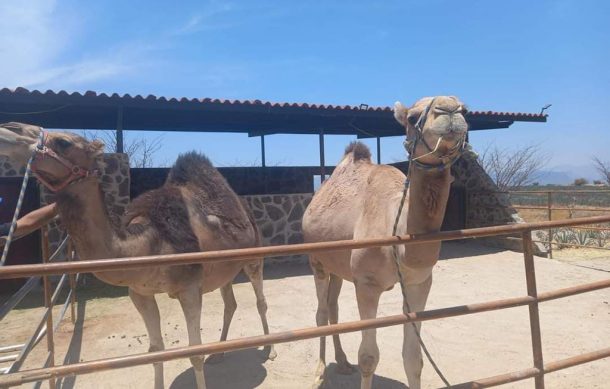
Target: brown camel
[[361, 200], [195, 210]]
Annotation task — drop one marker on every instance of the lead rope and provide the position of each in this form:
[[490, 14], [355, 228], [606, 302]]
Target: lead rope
[[402, 285], [24, 185]]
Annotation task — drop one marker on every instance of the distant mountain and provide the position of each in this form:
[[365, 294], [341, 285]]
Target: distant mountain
[[566, 174], [554, 178]]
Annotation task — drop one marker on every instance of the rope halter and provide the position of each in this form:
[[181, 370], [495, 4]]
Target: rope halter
[[449, 157]]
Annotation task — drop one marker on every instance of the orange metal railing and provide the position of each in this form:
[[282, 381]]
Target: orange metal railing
[[532, 300]]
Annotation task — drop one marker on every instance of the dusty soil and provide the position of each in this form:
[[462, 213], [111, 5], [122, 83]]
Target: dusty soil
[[465, 348]]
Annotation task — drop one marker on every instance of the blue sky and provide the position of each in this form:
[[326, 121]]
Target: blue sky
[[496, 55]]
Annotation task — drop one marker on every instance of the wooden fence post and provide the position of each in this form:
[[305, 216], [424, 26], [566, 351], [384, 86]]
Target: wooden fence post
[[550, 214], [48, 303], [72, 279], [530, 276]]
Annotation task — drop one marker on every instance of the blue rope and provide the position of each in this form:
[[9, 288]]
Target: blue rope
[[24, 185]]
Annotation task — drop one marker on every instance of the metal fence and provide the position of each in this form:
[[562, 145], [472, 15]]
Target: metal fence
[[46, 320], [548, 204], [532, 299]]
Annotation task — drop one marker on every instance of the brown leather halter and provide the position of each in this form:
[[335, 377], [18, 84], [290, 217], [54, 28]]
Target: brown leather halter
[[76, 173]]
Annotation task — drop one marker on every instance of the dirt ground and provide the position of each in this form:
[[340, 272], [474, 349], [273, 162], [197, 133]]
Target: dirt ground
[[465, 348]]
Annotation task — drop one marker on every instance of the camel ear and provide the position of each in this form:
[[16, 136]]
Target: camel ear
[[401, 113], [95, 148]]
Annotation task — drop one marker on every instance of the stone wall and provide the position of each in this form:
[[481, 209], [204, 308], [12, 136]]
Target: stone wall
[[279, 216], [486, 205], [9, 169]]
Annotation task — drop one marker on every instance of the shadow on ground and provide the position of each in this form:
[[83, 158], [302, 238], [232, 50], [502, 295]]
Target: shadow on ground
[[88, 288], [239, 370], [466, 248], [295, 266], [335, 380], [74, 349]]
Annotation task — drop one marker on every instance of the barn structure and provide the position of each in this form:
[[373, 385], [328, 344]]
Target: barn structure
[[277, 195]]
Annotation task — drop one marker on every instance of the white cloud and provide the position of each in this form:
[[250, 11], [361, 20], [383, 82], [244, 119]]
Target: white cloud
[[30, 38], [36, 37], [209, 18]]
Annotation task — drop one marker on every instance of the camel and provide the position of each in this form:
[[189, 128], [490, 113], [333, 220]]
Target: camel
[[195, 210], [361, 200]]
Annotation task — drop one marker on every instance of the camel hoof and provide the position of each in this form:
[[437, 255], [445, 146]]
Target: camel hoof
[[271, 354], [318, 384], [320, 372], [215, 358], [345, 368]]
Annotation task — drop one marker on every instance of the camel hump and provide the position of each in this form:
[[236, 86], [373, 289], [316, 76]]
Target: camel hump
[[191, 167], [359, 150]]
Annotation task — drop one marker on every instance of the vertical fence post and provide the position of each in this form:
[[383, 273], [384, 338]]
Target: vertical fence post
[[72, 279], [550, 214], [530, 276], [48, 303]]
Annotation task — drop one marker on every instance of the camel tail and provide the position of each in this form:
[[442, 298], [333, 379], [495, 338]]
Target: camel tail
[[359, 150], [191, 167]]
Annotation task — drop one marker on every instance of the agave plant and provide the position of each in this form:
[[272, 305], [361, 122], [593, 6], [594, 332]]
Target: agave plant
[[543, 237], [563, 236], [582, 237]]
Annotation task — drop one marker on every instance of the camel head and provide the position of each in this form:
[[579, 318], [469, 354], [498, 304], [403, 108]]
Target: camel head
[[436, 130], [60, 158]]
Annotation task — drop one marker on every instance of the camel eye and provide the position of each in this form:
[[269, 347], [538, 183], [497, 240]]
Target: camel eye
[[62, 143], [412, 120]]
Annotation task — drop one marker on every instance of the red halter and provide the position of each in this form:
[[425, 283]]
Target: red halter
[[77, 173]]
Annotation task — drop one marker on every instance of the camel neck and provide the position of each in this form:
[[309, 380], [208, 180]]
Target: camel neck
[[82, 210], [428, 194]]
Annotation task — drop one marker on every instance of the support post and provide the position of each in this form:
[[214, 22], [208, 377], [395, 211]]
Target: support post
[[550, 214], [322, 163], [263, 161], [48, 303], [530, 276], [378, 150], [119, 131], [264, 164]]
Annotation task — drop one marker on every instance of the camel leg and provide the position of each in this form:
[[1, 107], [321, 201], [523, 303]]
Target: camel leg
[[148, 309], [254, 271], [228, 299], [411, 350], [368, 353], [322, 281], [334, 288], [190, 301]]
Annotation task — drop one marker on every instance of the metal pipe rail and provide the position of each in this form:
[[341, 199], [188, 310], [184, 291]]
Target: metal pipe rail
[[98, 265], [288, 336], [531, 300], [543, 208]]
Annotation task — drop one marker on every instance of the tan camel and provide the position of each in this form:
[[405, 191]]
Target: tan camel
[[361, 200], [195, 210]]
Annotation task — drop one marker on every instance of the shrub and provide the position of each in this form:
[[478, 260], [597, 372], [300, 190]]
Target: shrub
[[580, 181]]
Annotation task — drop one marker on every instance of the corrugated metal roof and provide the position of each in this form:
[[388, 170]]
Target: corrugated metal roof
[[126, 98], [92, 110]]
